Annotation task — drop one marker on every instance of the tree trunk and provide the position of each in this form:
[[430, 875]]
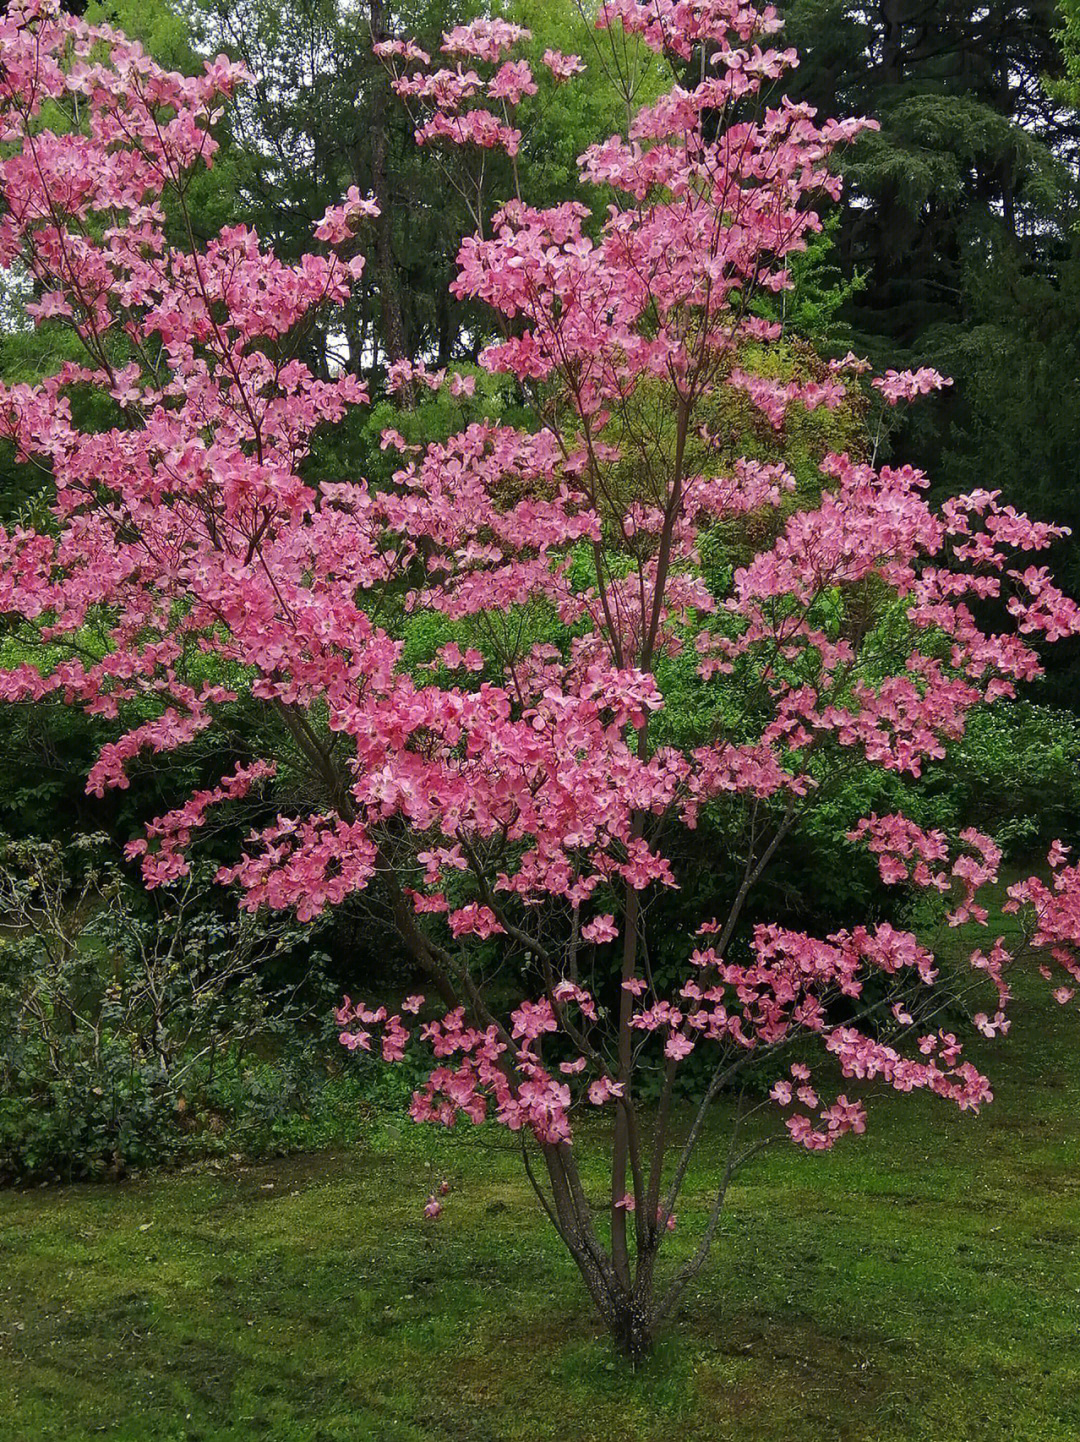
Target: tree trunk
[[632, 1328], [891, 13], [392, 319]]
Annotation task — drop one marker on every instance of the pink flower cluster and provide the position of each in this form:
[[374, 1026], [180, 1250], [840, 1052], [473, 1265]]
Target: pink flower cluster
[[1052, 916], [834, 1121], [897, 386], [445, 95], [337, 224]]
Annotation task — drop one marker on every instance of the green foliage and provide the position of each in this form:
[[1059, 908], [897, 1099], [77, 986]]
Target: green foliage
[[135, 1031], [1068, 85], [969, 153], [1016, 774], [814, 308]]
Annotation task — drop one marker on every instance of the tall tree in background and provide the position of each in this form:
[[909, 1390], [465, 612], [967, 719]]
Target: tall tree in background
[[961, 214], [972, 159]]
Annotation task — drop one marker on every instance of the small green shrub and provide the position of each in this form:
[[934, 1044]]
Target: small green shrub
[[137, 1030]]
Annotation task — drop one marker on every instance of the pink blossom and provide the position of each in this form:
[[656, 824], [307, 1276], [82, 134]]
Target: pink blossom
[[562, 67], [600, 929], [602, 1089], [898, 386], [678, 1046], [484, 39]]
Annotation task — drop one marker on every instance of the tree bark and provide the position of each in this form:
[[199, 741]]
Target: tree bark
[[391, 314], [633, 1328]]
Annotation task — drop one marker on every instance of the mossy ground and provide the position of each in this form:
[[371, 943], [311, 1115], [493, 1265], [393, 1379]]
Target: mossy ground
[[923, 1282]]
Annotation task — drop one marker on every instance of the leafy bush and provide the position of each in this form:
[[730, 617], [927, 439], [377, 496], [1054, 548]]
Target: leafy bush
[[135, 1029], [1016, 773]]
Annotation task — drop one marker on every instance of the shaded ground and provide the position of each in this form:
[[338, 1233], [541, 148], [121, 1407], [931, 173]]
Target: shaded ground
[[921, 1283]]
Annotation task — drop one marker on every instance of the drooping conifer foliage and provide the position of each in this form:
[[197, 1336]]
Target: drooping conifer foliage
[[975, 156], [960, 215], [519, 796]]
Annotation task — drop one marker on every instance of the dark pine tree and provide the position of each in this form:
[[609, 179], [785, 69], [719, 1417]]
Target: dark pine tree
[[961, 215]]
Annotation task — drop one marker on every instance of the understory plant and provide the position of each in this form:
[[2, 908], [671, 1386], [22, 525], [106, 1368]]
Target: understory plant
[[135, 1028], [516, 801]]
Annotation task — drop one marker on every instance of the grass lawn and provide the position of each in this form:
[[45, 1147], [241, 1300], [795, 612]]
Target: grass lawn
[[921, 1283]]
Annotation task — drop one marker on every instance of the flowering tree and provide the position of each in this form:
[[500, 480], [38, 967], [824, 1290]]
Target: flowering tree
[[519, 793]]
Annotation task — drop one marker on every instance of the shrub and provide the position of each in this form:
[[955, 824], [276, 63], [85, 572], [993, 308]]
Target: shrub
[[134, 1030]]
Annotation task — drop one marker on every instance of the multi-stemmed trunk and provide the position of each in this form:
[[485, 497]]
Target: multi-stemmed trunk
[[633, 1329], [630, 1314]]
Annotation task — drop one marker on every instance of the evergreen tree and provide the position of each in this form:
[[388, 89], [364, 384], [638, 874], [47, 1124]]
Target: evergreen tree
[[973, 158], [960, 215]]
